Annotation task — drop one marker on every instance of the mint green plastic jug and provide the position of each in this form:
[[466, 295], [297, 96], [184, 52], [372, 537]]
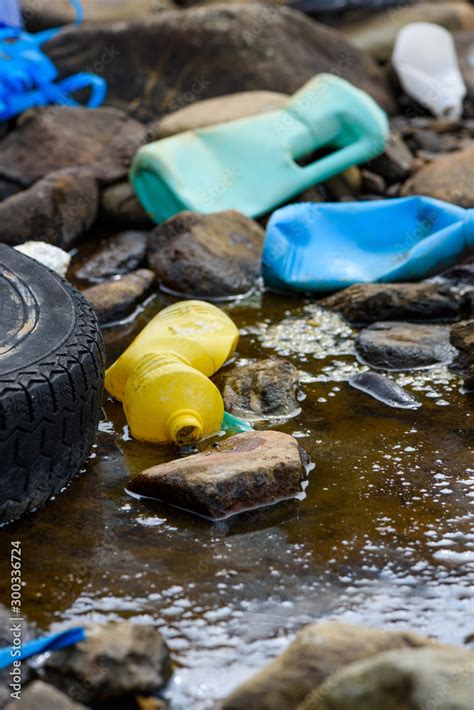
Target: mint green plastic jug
[[250, 164]]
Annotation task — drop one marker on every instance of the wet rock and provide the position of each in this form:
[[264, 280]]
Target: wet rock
[[243, 472], [318, 651], [395, 163], [40, 15], [462, 338], [54, 258], [38, 695], [267, 388], [401, 680], [217, 110], [447, 178], [57, 209], [120, 204], [461, 275], [384, 390], [102, 140], [116, 660], [208, 256], [400, 346], [117, 256], [115, 299], [368, 303], [378, 33], [229, 47]]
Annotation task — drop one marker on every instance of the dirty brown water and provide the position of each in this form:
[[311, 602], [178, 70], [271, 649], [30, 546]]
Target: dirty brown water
[[383, 536]]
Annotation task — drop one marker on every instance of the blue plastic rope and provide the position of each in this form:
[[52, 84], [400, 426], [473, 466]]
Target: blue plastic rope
[[27, 75], [48, 643]]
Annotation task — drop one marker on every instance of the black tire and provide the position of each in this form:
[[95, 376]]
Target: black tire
[[51, 382]]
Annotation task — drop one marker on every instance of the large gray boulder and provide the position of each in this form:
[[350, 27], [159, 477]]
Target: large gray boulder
[[224, 48]]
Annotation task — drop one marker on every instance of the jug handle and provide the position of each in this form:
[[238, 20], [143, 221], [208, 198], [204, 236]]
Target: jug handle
[[324, 168]]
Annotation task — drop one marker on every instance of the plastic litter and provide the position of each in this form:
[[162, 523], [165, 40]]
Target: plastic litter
[[250, 164], [10, 15], [28, 76], [314, 247], [384, 390], [235, 425], [53, 257], [426, 62], [54, 642], [162, 377]]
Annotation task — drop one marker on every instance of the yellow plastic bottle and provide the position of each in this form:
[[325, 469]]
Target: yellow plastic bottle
[[162, 377]]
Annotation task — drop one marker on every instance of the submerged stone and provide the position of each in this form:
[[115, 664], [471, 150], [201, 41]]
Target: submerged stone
[[267, 388], [117, 256], [384, 389], [462, 338], [246, 471], [115, 299], [368, 303], [402, 346], [42, 695]]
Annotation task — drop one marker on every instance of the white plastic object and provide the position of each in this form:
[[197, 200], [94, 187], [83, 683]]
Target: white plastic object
[[53, 257], [426, 62]]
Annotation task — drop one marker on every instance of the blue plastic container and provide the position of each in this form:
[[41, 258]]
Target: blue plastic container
[[313, 247]]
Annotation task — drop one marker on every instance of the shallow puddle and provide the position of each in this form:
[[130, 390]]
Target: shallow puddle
[[383, 536]]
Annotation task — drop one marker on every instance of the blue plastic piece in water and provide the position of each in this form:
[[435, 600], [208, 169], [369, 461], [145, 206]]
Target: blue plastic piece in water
[[314, 247], [28, 76], [10, 15], [53, 642]]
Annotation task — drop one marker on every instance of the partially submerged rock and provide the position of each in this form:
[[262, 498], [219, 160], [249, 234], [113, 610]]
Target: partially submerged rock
[[103, 140], [318, 651], [207, 256], [6, 638], [243, 472], [228, 48], [462, 338], [220, 109], [115, 299], [402, 346], [39, 695], [438, 678], [267, 388], [115, 660], [384, 390], [117, 256], [448, 178], [57, 209], [368, 303]]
